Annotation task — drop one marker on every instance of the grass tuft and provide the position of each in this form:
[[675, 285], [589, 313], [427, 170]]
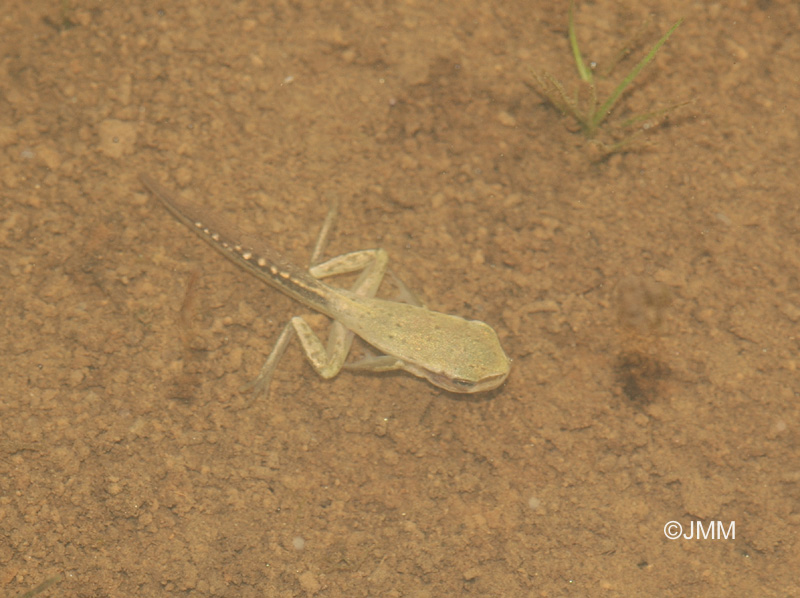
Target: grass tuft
[[591, 113]]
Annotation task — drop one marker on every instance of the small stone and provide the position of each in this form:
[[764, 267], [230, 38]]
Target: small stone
[[117, 138], [471, 574], [309, 583], [506, 119], [49, 156], [8, 136]]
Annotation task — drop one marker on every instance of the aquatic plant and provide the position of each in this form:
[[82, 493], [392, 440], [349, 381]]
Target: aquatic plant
[[584, 106]]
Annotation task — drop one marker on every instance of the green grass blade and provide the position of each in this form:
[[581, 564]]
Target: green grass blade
[[601, 114], [633, 41], [635, 120], [583, 70]]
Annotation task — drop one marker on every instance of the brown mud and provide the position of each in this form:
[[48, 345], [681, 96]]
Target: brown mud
[[649, 300]]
